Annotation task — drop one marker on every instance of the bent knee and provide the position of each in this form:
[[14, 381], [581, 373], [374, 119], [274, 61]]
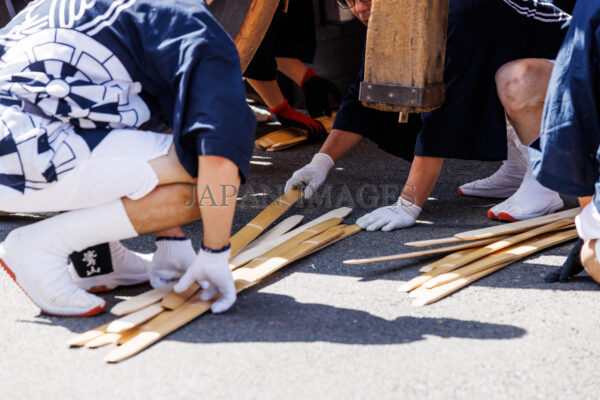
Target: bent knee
[[522, 84], [589, 259]]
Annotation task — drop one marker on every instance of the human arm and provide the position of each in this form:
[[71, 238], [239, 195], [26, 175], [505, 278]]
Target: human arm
[[218, 183]]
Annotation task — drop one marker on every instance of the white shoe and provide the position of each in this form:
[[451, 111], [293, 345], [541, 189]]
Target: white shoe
[[506, 180], [122, 267], [43, 276]]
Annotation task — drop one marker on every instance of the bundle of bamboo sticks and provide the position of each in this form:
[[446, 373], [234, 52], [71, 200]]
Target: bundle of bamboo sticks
[[149, 317], [502, 245]]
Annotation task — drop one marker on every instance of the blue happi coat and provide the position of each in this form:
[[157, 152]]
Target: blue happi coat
[[102, 64], [569, 161]]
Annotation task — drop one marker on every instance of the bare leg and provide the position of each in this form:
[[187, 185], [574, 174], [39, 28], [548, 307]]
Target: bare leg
[[293, 68], [589, 259], [423, 175], [269, 91], [522, 87], [163, 208]]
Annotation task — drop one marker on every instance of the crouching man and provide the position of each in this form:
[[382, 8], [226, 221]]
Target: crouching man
[[83, 91]]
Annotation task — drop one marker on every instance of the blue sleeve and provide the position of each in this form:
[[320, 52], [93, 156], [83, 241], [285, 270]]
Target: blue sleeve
[[568, 159], [198, 61]]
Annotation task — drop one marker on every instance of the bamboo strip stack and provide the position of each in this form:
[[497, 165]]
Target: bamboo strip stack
[[475, 260], [149, 317]]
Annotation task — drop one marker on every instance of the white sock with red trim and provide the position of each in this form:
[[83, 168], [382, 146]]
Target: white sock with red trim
[[530, 201]]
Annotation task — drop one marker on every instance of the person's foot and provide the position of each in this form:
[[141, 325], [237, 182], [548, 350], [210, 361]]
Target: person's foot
[[505, 181], [118, 267], [43, 275], [530, 201]]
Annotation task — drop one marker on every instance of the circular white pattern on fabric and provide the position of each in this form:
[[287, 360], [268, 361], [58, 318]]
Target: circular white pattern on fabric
[[58, 88]]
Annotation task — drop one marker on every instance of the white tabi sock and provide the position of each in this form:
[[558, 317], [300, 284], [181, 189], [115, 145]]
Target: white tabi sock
[[530, 201], [123, 268], [36, 256], [506, 180]]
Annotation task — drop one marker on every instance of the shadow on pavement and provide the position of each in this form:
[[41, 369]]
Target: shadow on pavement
[[276, 318]]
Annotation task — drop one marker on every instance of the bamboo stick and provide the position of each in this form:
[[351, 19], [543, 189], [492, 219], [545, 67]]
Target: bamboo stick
[[414, 254], [278, 230], [141, 301], [511, 254], [259, 223], [162, 325], [428, 296], [131, 320], [248, 255], [83, 338], [515, 227]]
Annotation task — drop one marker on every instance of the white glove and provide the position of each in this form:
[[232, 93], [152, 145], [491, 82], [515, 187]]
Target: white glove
[[171, 259], [402, 215], [311, 176], [588, 223], [212, 267]]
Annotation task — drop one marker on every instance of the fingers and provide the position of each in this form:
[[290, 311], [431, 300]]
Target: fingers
[[209, 293], [185, 282], [225, 302]]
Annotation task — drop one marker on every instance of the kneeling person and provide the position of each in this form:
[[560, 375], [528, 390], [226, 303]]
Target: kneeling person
[[81, 100]]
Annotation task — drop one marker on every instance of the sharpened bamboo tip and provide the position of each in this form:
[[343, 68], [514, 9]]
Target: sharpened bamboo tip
[[419, 302], [404, 288], [352, 262]]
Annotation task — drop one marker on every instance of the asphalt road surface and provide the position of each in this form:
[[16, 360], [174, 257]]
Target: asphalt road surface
[[322, 329]]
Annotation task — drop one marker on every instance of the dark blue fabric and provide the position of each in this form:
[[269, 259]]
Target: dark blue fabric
[[569, 160], [291, 34], [482, 36], [187, 65]]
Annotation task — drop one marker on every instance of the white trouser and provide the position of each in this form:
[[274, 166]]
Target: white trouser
[[117, 167]]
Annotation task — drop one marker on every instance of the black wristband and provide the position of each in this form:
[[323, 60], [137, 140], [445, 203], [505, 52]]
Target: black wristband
[[221, 250], [175, 238]]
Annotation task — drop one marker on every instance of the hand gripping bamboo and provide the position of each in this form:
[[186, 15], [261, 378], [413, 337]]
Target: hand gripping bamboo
[[244, 236], [108, 335], [169, 321], [428, 296]]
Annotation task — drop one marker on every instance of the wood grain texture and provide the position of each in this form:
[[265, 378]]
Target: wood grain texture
[[471, 273], [406, 46], [421, 253]]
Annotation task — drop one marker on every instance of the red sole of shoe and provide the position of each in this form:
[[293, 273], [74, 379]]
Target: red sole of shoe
[[491, 215], [94, 311], [506, 217]]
